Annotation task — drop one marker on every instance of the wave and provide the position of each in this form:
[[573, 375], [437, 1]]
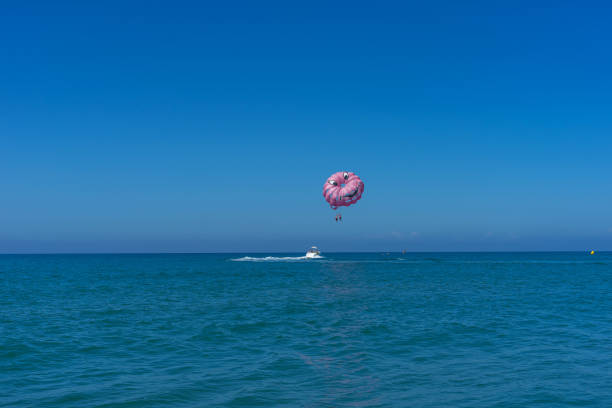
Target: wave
[[426, 261], [274, 258]]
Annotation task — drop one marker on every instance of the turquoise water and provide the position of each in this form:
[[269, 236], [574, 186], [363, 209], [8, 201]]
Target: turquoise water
[[348, 330]]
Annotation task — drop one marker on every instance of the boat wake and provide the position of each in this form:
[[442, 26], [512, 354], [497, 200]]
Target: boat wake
[[276, 258]]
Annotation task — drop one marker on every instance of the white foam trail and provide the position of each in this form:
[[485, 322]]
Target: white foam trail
[[275, 258]]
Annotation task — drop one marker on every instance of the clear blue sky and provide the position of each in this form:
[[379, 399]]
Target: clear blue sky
[[196, 126]]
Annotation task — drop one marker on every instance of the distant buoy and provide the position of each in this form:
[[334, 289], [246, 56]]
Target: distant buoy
[[592, 252]]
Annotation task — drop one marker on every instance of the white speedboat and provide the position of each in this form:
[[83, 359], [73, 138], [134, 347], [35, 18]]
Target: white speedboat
[[313, 252]]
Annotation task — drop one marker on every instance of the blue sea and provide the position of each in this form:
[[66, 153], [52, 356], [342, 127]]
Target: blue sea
[[347, 330]]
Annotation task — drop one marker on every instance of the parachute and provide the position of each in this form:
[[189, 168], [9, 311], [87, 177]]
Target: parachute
[[342, 189]]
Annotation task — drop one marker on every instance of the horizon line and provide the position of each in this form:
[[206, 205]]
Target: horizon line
[[294, 252]]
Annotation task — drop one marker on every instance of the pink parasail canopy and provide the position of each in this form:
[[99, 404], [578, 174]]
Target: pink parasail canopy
[[342, 189]]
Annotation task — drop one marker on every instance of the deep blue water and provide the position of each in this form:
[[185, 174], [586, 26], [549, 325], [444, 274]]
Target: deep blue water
[[413, 330]]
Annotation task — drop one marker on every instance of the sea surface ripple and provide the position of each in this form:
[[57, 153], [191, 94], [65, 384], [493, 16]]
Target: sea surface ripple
[[274, 330]]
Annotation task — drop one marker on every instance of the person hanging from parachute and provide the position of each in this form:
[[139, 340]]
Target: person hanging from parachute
[[342, 189]]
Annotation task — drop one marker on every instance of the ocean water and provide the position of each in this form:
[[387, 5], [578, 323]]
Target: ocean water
[[347, 330]]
